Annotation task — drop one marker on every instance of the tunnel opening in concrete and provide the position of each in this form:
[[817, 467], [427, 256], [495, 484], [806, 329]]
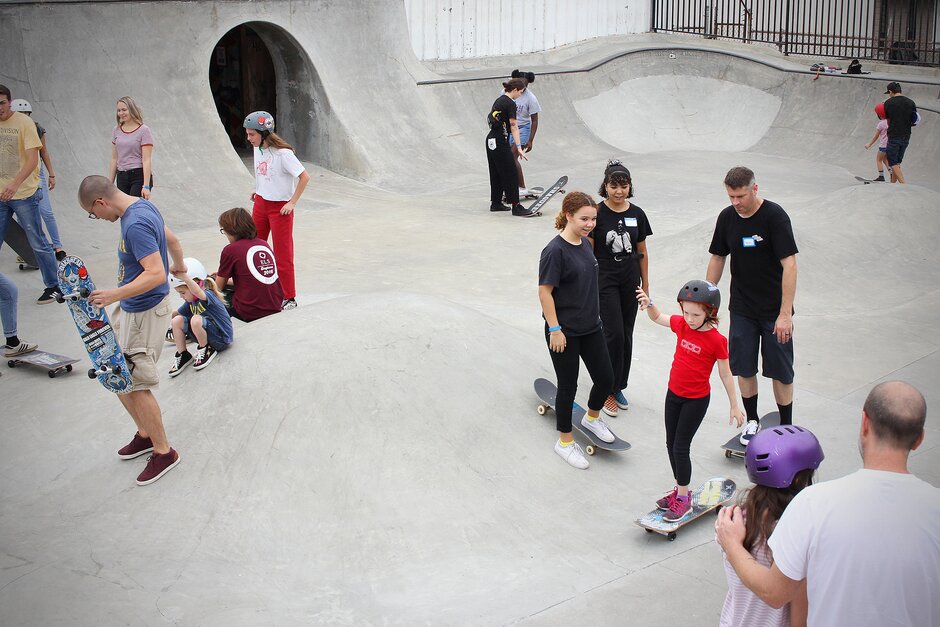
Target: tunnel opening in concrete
[[260, 66]]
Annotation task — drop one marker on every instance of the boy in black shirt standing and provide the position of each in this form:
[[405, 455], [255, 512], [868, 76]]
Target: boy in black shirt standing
[[899, 111], [758, 236]]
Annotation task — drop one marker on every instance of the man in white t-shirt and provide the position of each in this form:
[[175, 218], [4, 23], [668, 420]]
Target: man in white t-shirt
[[868, 544], [527, 116]]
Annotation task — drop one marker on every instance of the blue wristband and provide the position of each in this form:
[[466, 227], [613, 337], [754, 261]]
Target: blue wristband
[[146, 187], [553, 329]]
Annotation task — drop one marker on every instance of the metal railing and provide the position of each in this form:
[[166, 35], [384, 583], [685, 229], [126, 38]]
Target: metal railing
[[892, 31]]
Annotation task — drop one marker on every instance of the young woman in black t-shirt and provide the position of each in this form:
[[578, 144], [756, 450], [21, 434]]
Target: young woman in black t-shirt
[[499, 157], [619, 242], [568, 294]]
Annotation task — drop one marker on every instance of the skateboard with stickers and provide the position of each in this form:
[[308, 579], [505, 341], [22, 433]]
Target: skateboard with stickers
[[535, 208], [707, 497], [53, 364], [546, 391], [110, 367]]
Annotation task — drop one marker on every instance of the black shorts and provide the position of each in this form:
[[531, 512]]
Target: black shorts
[[895, 151], [747, 337]]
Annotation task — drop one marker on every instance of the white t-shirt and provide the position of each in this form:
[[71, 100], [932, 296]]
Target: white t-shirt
[[868, 545], [276, 172], [526, 105]]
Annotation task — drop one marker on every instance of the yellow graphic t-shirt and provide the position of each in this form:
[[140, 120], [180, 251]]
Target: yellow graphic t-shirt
[[17, 135]]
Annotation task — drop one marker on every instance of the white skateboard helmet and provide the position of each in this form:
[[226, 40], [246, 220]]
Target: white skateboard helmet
[[23, 106], [194, 269]]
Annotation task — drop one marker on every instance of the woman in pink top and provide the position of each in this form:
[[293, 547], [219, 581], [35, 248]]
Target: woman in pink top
[[131, 149]]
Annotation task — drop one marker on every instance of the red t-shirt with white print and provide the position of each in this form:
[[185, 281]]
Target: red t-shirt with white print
[[696, 354]]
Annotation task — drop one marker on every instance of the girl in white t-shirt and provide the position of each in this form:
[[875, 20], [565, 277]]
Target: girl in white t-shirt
[[780, 461], [280, 179]]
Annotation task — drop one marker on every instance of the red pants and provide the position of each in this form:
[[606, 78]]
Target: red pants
[[268, 220]]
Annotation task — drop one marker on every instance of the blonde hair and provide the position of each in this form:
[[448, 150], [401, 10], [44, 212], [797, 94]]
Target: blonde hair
[[212, 285], [132, 110], [570, 205]]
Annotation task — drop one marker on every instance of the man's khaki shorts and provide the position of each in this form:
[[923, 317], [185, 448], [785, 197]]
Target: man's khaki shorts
[[142, 336]]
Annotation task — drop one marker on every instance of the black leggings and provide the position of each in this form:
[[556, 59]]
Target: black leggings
[[683, 418], [618, 281], [592, 349], [503, 175], [132, 181]]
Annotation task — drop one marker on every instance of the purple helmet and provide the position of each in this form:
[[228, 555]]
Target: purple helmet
[[776, 454]]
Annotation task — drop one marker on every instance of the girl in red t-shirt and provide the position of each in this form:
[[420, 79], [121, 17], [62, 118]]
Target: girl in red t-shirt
[[698, 346]]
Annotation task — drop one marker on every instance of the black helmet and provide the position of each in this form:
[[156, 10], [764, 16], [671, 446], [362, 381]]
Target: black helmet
[[698, 291]]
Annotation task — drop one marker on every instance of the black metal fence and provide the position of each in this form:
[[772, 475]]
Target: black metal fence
[[892, 31]]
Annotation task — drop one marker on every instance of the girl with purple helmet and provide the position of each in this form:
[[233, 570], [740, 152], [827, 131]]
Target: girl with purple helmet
[[780, 461]]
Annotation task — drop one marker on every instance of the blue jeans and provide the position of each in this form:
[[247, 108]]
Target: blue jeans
[[7, 306], [45, 210], [27, 214]]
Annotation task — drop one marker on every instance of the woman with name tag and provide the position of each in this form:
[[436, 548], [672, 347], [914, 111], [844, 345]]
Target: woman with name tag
[[619, 242]]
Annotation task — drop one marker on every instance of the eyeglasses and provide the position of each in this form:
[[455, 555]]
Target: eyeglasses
[[222, 231], [92, 216]]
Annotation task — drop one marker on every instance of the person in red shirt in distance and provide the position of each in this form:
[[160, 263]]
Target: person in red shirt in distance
[[698, 346]]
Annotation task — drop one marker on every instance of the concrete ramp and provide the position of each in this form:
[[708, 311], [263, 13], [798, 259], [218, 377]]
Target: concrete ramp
[[675, 112]]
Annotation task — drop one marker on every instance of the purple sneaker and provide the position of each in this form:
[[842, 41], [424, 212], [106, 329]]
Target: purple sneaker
[[157, 466], [137, 447], [666, 502], [680, 507]]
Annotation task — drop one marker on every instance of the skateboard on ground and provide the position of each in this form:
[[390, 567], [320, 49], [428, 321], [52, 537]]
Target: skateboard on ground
[[50, 362], [17, 240], [709, 496], [546, 391], [734, 448], [867, 181], [110, 367], [536, 207]]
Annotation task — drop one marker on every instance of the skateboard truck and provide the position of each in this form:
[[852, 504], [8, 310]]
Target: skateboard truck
[[94, 373], [72, 297]]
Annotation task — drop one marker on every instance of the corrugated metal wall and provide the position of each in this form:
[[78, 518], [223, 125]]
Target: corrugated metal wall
[[456, 29]]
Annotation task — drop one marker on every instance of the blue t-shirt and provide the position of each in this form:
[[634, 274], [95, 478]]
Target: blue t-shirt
[[142, 234], [213, 309]]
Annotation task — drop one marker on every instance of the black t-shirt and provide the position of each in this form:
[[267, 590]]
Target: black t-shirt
[[616, 235], [504, 109], [899, 110], [756, 245], [572, 271]]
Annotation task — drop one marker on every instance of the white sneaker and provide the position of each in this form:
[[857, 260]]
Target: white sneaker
[[598, 427], [750, 430], [572, 454], [523, 192]]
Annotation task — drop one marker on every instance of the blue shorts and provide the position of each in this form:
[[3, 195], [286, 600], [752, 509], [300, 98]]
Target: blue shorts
[[880, 149], [216, 339], [746, 337], [523, 135], [895, 151]]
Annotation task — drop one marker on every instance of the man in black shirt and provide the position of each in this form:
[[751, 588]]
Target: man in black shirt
[[758, 236], [899, 111]]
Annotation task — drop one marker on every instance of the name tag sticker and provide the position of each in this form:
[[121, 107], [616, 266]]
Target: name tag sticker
[[629, 221], [748, 242]]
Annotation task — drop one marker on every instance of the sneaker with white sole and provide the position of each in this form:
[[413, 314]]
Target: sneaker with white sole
[[666, 502], [288, 303], [204, 356], [679, 509], [598, 427], [622, 401], [572, 454], [611, 408], [180, 362], [20, 349], [49, 295], [750, 430]]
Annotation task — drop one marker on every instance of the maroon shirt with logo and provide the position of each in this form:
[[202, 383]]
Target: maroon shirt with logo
[[250, 264]]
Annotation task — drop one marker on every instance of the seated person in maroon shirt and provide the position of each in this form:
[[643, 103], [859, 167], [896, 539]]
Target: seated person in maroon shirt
[[247, 265]]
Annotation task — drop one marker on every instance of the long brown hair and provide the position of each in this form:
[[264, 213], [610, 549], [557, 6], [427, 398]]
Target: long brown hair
[[273, 140], [764, 507]]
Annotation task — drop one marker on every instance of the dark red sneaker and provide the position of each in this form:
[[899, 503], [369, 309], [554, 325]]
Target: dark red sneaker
[[157, 466], [137, 447]]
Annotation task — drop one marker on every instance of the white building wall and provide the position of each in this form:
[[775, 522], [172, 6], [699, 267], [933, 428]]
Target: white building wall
[[456, 29]]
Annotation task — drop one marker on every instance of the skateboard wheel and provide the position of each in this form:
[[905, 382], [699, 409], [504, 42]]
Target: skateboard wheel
[[52, 374], [92, 374], [68, 368], [22, 266], [728, 454], [648, 530], [589, 449], [541, 409], [671, 536], [11, 364]]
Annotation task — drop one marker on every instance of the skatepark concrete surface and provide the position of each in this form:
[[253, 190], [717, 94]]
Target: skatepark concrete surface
[[374, 457]]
